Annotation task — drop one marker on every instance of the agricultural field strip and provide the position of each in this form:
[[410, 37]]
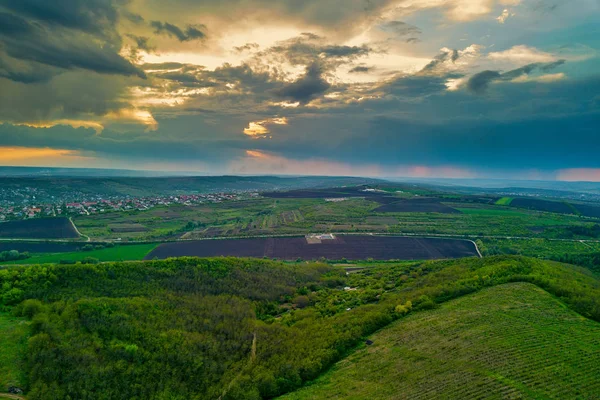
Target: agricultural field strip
[[276, 235], [343, 246]]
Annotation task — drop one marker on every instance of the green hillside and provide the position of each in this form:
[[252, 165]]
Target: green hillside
[[231, 328], [509, 341], [13, 344]]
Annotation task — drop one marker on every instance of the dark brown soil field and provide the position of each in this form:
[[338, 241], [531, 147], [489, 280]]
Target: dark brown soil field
[[543, 205], [349, 247], [417, 206], [334, 193], [126, 228], [43, 228], [588, 211]]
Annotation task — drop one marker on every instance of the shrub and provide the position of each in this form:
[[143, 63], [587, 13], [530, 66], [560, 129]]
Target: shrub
[[31, 307]]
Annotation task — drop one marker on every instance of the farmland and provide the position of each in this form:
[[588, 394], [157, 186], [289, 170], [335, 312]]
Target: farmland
[[543, 205], [40, 247], [504, 201], [510, 341], [416, 206], [392, 210], [114, 253], [42, 228], [342, 247], [299, 216]]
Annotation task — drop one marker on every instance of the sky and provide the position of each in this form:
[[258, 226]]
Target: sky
[[381, 88]]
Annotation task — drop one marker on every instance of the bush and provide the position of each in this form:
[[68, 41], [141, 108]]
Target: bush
[[424, 303], [13, 255], [403, 309], [302, 301], [30, 308]]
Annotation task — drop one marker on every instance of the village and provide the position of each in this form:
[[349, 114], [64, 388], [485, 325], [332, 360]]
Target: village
[[21, 205]]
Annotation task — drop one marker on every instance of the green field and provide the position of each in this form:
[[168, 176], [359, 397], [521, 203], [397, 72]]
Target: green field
[[496, 212], [509, 341], [116, 253], [13, 343], [504, 201], [300, 216]]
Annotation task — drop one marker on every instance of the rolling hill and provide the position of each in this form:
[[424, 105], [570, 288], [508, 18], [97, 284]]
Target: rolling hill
[[509, 341]]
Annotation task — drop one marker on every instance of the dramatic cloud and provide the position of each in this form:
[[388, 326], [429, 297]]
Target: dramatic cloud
[[26, 41], [306, 88], [400, 29], [92, 16], [478, 83], [190, 32], [424, 88]]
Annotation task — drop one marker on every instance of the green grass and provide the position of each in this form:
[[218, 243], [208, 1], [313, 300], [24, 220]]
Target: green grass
[[492, 212], [539, 248], [509, 341], [13, 343], [504, 201], [301, 216], [117, 253]]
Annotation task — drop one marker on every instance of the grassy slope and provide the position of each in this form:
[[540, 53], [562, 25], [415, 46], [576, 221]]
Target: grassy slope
[[509, 341], [13, 340], [117, 253], [504, 201]]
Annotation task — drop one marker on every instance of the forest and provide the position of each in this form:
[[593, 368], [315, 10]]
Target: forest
[[229, 328]]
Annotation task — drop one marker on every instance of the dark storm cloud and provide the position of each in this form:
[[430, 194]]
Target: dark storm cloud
[[308, 48], [75, 94], [165, 65], [306, 88], [27, 41], [452, 55], [445, 128], [400, 29], [142, 42], [247, 47], [33, 73], [360, 69], [479, 82], [344, 51], [191, 32], [415, 87], [39, 39], [94, 16]]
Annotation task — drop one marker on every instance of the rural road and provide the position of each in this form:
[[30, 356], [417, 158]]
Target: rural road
[[430, 235], [77, 230]]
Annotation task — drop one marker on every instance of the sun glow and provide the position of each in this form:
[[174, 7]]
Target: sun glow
[[260, 128]]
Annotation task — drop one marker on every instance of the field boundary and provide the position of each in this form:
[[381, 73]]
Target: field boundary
[[88, 239], [476, 248]]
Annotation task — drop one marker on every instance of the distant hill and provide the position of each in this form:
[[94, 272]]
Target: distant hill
[[140, 186], [77, 172]]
